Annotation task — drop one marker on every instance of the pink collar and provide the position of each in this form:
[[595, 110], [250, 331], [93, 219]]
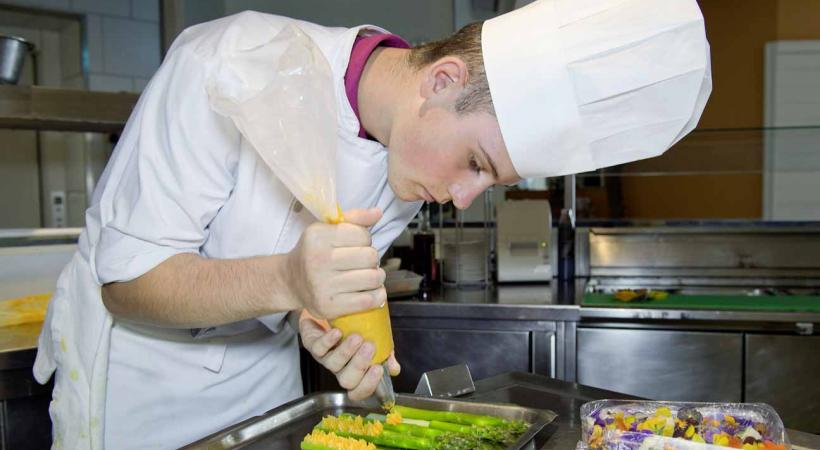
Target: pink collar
[[362, 49]]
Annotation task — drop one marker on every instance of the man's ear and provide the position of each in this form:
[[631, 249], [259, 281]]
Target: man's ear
[[445, 78]]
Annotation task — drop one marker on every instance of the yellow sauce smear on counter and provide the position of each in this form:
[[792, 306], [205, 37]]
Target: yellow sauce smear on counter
[[23, 310]]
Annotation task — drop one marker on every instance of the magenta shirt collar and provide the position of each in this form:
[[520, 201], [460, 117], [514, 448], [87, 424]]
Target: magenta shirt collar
[[362, 49]]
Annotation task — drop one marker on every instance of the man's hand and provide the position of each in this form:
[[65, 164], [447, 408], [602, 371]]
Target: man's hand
[[349, 361], [334, 269]]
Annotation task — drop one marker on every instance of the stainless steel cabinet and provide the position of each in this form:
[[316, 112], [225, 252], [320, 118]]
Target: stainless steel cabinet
[[662, 365], [783, 372], [24, 419], [488, 347], [486, 353], [24, 423]]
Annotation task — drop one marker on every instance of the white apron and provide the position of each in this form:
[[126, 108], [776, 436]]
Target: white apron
[[182, 180]]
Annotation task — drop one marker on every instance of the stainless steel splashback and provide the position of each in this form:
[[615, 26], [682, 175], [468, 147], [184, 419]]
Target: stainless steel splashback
[[716, 255]]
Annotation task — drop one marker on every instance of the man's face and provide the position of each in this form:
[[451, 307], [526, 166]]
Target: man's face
[[439, 155]]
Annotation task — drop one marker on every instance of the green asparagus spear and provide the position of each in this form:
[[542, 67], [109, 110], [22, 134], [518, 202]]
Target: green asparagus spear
[[447, 416], [451, 427], [383, 418], [404, 428]]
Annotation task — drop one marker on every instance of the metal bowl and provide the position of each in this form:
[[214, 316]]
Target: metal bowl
[[12, 55]]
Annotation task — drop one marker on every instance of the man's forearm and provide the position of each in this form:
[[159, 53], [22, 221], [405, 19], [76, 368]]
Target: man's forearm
[[188, 291]]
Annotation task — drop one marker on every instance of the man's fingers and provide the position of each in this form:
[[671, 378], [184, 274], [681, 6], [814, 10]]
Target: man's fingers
[[359, 280], [368, 385], [337, 359], [353, 302], [320, 345], [363, 217], [393, 365], [351, 375], [310, 331], [324, 324], [350, 235], [351, 258]]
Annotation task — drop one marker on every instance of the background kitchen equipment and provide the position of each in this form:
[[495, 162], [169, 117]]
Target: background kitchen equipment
[[401, 283], [13, 52], [523, 240], [468, 253]]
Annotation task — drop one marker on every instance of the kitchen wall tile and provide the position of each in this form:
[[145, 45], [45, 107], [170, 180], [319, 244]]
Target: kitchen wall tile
[[145, 10], [71, 50], [75, 209], [109, 83], [56, 5], [49, 59], [130, 47], [140, 83], [94, 34], [98, 149], [75, 162], [54, 148], [110, 7], [18, 170]]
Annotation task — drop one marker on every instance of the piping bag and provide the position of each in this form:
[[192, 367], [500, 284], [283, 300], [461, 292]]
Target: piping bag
[[289, 117]]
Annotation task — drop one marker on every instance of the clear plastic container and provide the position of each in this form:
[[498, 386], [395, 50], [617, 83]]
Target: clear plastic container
[[399, 283], [644, 425]]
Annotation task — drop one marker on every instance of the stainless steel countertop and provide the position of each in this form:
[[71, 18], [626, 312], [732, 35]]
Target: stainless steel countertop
[[542, 302], [528, 302], [18, 345]]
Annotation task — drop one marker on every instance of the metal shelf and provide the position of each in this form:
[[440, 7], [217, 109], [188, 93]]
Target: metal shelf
[[56, 109]]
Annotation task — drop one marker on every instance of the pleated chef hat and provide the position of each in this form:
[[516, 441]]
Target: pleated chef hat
[[582, 84]]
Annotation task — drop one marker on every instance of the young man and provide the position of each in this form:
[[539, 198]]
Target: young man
[[169, 322]]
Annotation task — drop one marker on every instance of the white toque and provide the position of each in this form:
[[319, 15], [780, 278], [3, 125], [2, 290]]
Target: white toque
[[582, 84]]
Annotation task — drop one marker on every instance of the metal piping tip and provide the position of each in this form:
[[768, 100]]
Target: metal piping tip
[[385, 392]]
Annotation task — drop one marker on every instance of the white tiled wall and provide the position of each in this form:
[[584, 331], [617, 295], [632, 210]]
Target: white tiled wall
[[122, 38], [122, 53]]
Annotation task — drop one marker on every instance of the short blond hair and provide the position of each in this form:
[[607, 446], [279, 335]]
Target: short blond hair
[[466, 45]]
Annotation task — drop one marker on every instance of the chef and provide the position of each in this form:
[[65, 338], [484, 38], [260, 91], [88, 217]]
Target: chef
[[170, 322]]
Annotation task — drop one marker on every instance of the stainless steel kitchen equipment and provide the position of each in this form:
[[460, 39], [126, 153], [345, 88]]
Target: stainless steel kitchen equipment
[[452, 381], [286, 426], [467, 255], [523, 241], [689, 259], [13, 51], [705, 353]]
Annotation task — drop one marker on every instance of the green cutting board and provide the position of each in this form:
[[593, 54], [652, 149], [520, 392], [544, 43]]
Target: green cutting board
[[790, 303]]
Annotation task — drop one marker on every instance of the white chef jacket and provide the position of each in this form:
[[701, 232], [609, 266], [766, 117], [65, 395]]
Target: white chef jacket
[[183, 180]]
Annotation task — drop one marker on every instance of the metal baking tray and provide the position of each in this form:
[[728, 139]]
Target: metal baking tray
[[285, 426]]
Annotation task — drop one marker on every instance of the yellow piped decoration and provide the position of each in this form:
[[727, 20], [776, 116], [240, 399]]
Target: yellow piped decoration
[[393, 418], [353, 425], [330, 440]]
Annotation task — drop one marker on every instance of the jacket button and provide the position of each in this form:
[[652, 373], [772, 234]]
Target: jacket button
[[297, 206]]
